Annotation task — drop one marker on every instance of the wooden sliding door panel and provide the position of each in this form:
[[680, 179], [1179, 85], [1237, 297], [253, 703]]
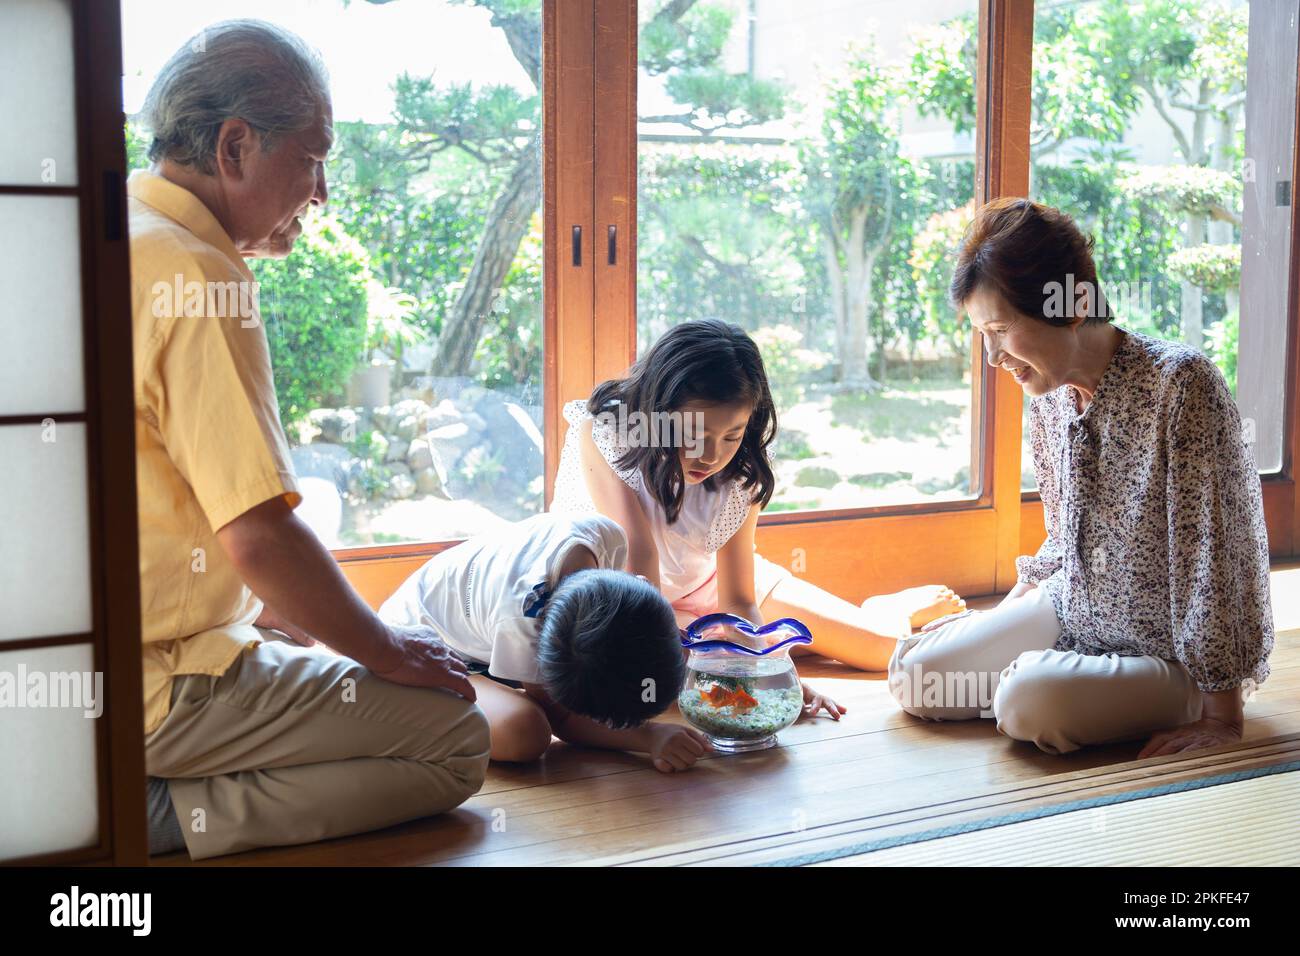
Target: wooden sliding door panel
[[72, 747]]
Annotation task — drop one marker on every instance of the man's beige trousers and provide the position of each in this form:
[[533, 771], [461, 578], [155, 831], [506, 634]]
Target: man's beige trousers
[[1000, 664], [294, 744]]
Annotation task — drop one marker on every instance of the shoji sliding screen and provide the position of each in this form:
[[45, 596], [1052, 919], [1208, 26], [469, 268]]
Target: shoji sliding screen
[[71, 740]]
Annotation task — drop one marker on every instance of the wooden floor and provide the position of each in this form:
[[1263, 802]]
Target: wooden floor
[[878, 772]]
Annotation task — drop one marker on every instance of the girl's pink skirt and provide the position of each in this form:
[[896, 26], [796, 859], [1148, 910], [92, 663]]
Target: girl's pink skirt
[[704, 599]]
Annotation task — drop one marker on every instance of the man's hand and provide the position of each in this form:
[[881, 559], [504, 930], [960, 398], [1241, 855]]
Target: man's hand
[[284, 563], [269, 619], [813, 702], [425, 661], [675, 748], [1206, 732]]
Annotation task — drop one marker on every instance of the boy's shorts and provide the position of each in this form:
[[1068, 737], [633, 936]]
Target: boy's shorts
[[476, 668]]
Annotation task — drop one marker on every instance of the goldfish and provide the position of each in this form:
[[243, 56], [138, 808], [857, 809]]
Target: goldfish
[[719, 696]]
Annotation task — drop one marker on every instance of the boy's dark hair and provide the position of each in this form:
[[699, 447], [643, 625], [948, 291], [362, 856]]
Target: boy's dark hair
[[704, 360], [604, 634]]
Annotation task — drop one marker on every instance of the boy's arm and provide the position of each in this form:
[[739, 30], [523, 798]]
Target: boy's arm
[[671, 748], [576, 729]]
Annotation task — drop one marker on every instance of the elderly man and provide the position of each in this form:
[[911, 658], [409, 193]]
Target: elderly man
[[252, 739]]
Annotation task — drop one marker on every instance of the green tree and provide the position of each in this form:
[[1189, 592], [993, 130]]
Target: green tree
[[1095, 66], [857, 182], [717, 225], [717, 210], [499, 128], [314, 304]]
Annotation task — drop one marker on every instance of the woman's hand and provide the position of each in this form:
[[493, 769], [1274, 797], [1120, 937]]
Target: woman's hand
[[1020, 589], [1206, 732], [813, 702]]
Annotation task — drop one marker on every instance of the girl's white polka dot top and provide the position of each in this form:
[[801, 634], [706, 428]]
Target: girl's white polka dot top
[[687, 547]]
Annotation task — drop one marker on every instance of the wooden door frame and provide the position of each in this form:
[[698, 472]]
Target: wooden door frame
[[570, 247], [109, 420]]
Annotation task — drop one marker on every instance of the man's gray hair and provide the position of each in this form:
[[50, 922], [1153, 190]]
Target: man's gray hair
[[237, 69]]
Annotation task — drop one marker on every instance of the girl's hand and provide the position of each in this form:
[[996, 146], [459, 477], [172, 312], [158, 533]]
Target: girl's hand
[[675, 748], [1206, 732], [813, 702]]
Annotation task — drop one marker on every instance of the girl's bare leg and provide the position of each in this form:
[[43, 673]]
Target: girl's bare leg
[[859, 637], [923, 604], [520, 730]]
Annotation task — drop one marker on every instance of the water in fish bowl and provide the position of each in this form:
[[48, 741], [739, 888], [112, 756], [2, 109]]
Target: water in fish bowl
[[740, 703]]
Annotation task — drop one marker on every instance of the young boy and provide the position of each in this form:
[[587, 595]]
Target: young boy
[[559, 639]]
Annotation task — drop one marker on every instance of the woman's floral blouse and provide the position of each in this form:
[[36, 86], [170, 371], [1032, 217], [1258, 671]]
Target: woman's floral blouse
[[1156, 541]]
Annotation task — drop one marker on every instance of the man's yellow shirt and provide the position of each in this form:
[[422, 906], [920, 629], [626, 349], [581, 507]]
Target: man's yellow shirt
[[208, 440]]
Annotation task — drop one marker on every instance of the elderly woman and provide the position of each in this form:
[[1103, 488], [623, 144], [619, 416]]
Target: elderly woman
[[1145, 614]]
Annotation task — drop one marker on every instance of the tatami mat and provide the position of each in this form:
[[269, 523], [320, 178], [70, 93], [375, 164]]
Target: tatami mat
[[1247, 822]]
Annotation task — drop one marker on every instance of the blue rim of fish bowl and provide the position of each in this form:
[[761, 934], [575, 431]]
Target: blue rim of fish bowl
[[691, 634]]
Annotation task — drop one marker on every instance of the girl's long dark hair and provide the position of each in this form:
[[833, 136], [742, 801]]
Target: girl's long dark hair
[[704, 360]]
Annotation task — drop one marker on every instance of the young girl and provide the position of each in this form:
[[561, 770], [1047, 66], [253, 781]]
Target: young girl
[[690, 506]]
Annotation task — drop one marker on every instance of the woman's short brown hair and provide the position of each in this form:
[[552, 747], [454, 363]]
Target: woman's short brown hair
[[1034, 256]]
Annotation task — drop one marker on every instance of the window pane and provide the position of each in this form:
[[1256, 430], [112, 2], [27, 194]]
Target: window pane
[[406, 326], [36, 82], [40, 334], [1166, 129], [45, 550], [806, 168], [49, 745]]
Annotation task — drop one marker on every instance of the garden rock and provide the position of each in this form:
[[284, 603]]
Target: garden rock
[[515, 437], [444, 413], [428, 482], [397, 449], [337, 426], [418, 455], [817, 476], [322, 460], [409, 427], [450, 441], [401, 486]]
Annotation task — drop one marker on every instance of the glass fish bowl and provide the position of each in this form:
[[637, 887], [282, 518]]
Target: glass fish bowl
[[741, 686]]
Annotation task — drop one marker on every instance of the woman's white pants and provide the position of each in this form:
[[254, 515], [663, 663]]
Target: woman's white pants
[[1000, 664]]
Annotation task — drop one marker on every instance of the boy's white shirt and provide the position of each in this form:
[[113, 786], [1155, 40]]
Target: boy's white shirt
[[477, 595]]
